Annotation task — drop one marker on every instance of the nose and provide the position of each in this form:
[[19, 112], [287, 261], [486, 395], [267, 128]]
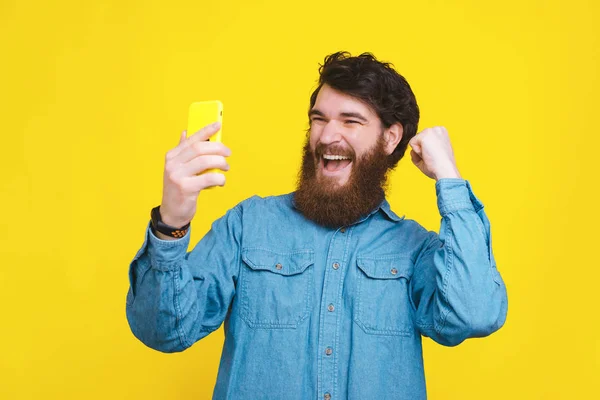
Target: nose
[[331, 133]]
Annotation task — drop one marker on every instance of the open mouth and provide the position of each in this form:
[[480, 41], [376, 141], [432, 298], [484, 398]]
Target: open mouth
[[333, 164]]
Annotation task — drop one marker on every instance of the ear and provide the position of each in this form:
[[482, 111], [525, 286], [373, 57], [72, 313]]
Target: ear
[[392, 137]]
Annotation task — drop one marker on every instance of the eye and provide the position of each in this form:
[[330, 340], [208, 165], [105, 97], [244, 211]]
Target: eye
[[352, 122], [317, 119]]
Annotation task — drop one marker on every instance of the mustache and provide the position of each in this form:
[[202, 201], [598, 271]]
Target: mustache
[[322, 149]]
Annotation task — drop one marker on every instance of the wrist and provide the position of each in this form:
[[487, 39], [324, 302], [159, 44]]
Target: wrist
[[174, 222], [170, 228], [448, 173]]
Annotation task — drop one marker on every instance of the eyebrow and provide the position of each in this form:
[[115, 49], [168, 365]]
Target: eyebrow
[[346, 114]]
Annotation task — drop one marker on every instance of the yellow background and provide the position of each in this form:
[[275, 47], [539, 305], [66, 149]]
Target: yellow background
[[94, 94]]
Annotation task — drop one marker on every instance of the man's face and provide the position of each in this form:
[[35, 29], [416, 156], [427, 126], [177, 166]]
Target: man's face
[[345, 160], [342, 130]]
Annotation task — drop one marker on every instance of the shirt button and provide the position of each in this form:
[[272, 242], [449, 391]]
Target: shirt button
[[336, 265], [343, 230], [328, 351], [330, 307], [327, 396], [279, 266], [394, 271]]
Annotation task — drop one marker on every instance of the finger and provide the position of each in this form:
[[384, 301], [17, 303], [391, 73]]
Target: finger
[[176, 150], [201, 164], [205, 133], [200, 182], [201, 149], [416, 148], [415, 157], [415, 141]]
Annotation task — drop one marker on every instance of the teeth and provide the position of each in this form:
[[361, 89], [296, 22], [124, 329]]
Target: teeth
[[333, 157]]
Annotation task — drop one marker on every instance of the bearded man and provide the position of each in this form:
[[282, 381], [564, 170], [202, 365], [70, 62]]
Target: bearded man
[[325, 293]]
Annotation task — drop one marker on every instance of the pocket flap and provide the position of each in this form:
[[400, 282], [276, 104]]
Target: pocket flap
[[387, 267], [282, 263]]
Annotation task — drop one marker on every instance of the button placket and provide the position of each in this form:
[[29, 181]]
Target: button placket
[[330, 298]]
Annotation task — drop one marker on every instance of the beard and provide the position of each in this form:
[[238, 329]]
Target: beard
[[324, 201]]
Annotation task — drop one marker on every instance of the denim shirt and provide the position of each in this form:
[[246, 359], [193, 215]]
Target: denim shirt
[[316, 313]]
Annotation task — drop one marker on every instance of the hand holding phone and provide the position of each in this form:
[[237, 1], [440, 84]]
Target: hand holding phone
[[195, 164], [202, 114]]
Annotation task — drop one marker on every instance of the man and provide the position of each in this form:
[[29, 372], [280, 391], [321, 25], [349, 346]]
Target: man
[[324, 292]]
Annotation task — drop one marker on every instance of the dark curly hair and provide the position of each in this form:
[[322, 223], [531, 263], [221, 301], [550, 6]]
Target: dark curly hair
[[377, 84]]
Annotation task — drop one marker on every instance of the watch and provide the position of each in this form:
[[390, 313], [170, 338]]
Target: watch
[[160, 226]]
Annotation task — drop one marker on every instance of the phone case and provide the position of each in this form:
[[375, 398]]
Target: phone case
[[203, 113]]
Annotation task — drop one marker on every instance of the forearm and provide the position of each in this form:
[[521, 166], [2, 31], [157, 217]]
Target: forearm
[[176, 298], [468, 294], [153, 302]]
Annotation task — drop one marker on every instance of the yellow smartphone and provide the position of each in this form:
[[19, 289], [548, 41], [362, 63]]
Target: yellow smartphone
[[203, 113]]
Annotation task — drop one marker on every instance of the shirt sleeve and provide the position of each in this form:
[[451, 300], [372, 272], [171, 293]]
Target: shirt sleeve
[[456, 289], [176, 297]]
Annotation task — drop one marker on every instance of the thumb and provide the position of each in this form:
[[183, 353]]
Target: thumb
[[182, 136]]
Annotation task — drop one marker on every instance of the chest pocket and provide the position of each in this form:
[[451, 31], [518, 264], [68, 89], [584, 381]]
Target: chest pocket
[[384, 307], [276, 287]]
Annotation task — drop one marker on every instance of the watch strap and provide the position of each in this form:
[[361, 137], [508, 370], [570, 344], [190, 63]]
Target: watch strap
[[160, 226]]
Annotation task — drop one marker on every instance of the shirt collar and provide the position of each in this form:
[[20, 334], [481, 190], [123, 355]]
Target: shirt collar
[[385, 207]]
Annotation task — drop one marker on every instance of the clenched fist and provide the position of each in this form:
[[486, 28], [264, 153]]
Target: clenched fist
[[432, 153], [184, 178]]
